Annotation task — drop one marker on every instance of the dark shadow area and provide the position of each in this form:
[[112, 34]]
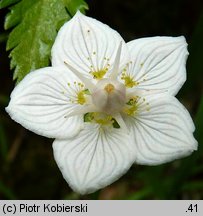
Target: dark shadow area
[[27, 166]]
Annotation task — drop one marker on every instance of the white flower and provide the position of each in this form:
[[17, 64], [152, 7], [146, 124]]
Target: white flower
[[107, 103]]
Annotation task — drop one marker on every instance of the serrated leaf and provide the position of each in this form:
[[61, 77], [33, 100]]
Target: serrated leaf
[[6, 3], [74, 5], [35, 25]]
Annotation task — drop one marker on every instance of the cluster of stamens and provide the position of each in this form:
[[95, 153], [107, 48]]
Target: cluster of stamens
[[94, 71], [78, 96], [127, 78], [108, 98]]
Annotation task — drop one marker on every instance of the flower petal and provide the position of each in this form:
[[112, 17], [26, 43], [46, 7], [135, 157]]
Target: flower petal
[[88, 45], [163, 132], [95, 158], [41, 102], [159, 63]]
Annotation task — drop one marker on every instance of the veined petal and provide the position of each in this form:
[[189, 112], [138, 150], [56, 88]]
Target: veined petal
[[159, 63], [95, 158], [42, 100], [89, 46], [163, 132]]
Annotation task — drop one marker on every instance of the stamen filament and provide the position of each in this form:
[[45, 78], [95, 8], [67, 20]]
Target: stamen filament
[[114, 73], [86, 81]]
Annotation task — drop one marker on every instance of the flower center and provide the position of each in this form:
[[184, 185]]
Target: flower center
[[109, 88], [109, 96]]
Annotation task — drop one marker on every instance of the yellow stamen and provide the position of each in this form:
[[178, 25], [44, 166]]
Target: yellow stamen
[[105, 121], [99, 118], [131, 106], [130, 110], [129, 82], [98, 74], [81, 97]]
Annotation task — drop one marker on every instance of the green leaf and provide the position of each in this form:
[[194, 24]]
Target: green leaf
[[36, 23], [6, 3], [74, 5]]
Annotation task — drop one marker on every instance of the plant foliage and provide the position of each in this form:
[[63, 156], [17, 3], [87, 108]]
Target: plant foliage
[[34, 25]]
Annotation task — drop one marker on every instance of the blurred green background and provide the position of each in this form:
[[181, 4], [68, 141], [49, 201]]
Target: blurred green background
[[27, 166]]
